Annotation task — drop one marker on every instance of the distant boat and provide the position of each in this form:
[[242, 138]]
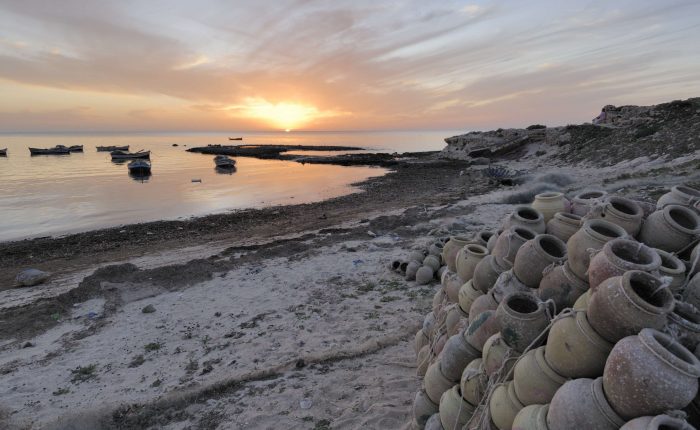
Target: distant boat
[[76, 148], [112, 148], [140, 167], [56, 150], [223, 162], [235, 138], [3, 152], [122, 155]]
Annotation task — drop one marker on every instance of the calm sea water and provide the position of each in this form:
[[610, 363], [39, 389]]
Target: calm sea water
[[56, 195]]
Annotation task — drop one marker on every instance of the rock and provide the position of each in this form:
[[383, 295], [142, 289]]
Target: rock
[[31, 277]]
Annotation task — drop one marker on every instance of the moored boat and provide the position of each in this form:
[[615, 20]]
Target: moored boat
[[140, 167], [223, 162], [123, 155], [76, 148], [3, 152], [112, 148], [235, 138], [56, 150]]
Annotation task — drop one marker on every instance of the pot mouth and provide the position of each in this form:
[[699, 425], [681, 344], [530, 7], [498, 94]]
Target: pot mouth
[[682, 218], [523, 233], [670, 263], [522, 303], [687, 314], [484, 235], [528, 214], [686, 190], [550, 195], [665, 422], [591, 195], [603, 404], [604, 230], [460, 238], [395, 264], [439, 245], [635, 253], [566, 216], [403, 266], [552, 246], [655, 296], [476, 249], [670, 351], [625, 206]]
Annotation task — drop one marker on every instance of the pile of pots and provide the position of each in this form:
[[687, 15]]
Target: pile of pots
[[579, 314], [425, 264]]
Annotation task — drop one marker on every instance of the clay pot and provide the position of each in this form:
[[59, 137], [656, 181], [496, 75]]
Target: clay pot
[[423, 408], [672, 228], [482, 237], [496, 354], [584, 202], [483, 327], [574, 349], [623, 305], [420, 341], [562, 286], [581, 404], [473, 382], [619, 256], [691, 293], [504, 406], [525, 216], [455, 356], [424, 275], [684, 325], [672, 267], [436, 250], [537, 254], [429, 324], [594, 234], [533, 417], [394, 265], [423, 360], [563, 225], [507, 283], [486, 273], [441, 271], [649, 374], [454, 319], [411, 270], [535, 381], [508, 244], [485, 302], [467, 295], [550, 203], [647, 208], [522, 317], [659, 422], [434, 423], [679, 195], [452, 283], [582, 302], [621, 211], [492, 240], [417, 256], [439, 343], [467, 259], [454, 411], [439, 300], [451, 248], [433, 262], [402, 268], [435, 383]]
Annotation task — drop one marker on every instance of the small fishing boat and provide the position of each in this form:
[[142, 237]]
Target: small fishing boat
[[76, 148], [123, 155], [3, 152], [112, 148], [140, 167], [56, 150], [235, 138], [223, 162]]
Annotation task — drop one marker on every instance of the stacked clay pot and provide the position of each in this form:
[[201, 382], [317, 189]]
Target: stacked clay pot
[[509, 242], [562, 286], [467, 258], [679, 195], [619, 256], [592, 236], [524, 216], [672, 228], [563, 225], [537, 254], [674, 268], [582, 203], [621, 211], [550, 203]]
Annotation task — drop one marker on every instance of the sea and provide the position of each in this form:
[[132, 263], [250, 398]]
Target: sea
[[52, 195]]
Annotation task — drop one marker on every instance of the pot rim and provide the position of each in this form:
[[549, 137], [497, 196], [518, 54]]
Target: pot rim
[[666, 211], [639, 302], [586, 196], [665, 421], [575, 281], [665, 255], [610, 207], [588, 228], [680, 316], [512, 396], [670, 352], [685, 190], [527, 209], [630, 265], [536, 314], [537, 245], [568, 218], [484, 235], [476, 249], [541, 362], [603, 404], [459, 238], [549, 195], [593, 337], [514, 231]]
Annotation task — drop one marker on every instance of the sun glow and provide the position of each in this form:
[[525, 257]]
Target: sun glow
[[282, 115]]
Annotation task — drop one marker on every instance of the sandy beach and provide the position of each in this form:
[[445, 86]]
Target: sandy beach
[[278, 318]]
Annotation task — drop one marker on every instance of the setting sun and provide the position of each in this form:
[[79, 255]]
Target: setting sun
[[283, 115]]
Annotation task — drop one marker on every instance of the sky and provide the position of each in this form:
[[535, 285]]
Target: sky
[[228, 65]]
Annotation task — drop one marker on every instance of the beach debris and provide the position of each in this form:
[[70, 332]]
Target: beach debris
[[31, 277], [588, 328], [148, 309], [196, 180]]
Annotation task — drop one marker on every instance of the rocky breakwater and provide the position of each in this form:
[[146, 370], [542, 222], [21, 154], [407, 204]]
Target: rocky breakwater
[[531, 329]]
